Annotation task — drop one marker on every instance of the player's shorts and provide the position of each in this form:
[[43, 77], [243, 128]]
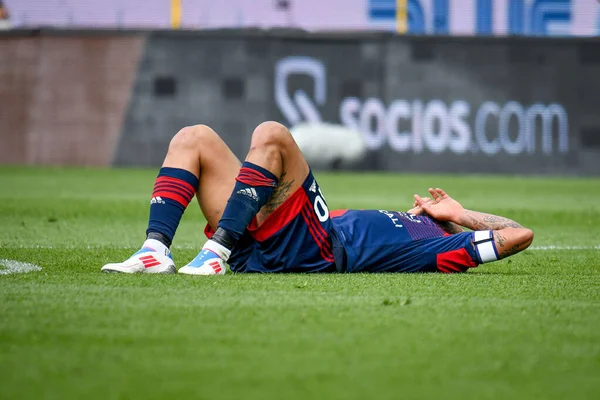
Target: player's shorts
[[294, 238], [366, 241]]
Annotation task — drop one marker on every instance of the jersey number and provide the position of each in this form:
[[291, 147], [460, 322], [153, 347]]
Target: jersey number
[[321, 208]]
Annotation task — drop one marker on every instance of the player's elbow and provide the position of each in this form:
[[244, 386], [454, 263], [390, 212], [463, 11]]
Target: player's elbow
[[512, 240], [525, 237], [517, 238]]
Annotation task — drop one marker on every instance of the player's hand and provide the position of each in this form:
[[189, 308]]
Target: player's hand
[[416, 208], [441, 207]]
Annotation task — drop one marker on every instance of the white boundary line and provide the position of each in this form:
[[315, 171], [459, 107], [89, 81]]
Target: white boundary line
[[198, 247], [552, 247], [17, 267]]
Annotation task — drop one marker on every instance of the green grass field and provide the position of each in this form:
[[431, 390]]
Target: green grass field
[[527, 327]]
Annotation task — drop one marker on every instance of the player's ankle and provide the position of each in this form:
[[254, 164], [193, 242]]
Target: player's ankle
[[224, 238], [159, 237], [157, 246], [217, 248]]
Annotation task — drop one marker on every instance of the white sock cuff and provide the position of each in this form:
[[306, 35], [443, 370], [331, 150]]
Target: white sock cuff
[[217, 248], [157, 245]]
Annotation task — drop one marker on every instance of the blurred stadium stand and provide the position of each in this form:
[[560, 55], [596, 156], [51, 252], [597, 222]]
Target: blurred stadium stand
[[107, 82], [457, 17], [4, 17]]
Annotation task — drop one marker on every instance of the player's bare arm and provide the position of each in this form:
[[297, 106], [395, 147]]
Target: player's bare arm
[[510, 237]]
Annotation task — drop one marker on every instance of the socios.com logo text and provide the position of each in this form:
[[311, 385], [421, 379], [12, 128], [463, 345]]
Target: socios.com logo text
[[417, 125]]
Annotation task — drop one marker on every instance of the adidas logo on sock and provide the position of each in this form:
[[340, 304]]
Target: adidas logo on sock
[[157, 200], [250, 192]]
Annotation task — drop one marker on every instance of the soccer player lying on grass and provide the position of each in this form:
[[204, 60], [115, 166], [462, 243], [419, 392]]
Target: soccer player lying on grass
[[270, 216]]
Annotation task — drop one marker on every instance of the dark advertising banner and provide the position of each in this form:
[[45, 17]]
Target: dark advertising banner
[[194, 78], [421, 104], [444, 105]]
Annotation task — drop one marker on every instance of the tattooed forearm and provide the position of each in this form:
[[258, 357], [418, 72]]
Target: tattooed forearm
[[281, 192], [500, 221], [475, 223], [481, 221]]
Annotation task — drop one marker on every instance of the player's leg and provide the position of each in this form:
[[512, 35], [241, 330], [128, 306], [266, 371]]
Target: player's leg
[[201, 150], [274, 149], [274, 169], [197, 162]]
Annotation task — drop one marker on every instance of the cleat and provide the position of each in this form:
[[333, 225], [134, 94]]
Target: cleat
[[145, 260], [206, 262]]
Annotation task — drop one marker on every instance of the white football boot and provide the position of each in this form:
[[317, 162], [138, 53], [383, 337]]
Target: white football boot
[[145, 260], [210, 261]]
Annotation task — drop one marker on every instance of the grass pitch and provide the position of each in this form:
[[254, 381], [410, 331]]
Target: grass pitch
[[526, 327]]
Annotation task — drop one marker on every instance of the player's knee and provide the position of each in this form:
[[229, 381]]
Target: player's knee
[[271, 133], [192, 137]]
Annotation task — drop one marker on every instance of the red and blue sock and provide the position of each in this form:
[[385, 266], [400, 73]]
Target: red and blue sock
[[253, 188], [174, 188]]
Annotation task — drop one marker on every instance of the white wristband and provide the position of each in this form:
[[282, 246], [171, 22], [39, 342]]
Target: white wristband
[[485, 246]]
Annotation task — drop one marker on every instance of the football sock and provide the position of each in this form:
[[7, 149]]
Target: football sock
[[157, 246], [174, 188], [253, 188]]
